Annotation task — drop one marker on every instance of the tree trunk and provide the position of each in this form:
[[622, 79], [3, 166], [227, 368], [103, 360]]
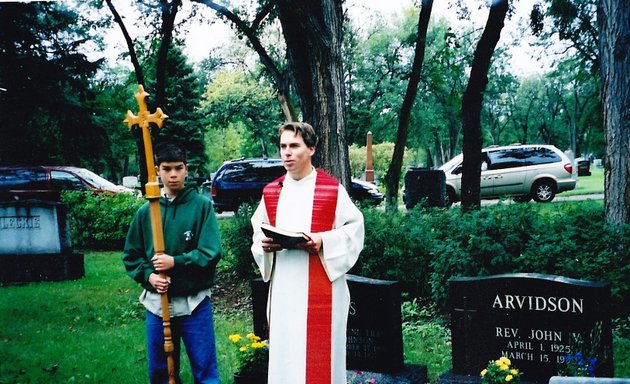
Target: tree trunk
[[472, 103], [614, 46], [392, 177], [169, 11], [313, 34]]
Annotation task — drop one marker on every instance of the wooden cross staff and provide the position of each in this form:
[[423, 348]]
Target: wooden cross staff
[[152, 188]]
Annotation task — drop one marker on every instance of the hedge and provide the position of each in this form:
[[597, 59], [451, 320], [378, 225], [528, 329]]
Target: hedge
[[424, 248]]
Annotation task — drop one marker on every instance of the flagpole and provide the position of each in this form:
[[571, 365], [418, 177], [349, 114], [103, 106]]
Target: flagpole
[[152, 193]]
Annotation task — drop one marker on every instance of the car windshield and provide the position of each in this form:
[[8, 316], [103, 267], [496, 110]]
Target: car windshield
[[452, 163], [96, 180]]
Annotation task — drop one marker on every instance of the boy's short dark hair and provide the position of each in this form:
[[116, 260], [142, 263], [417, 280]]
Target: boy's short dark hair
[[304, 129], [169, 153]]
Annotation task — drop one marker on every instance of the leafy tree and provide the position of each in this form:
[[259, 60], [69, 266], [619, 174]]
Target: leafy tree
[[225, 143], [495, 113], [392, 178], [444, 73], [571, 21], [234, 99], [45, 81], [264, 15], [381, 155], [118, 155], [577, 65], [378, 70], [376, 66], [161, 65]]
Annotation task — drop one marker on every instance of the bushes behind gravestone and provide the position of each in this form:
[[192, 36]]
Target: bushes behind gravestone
[[423, 249], [236, 239], [398, 246], [100, 221]]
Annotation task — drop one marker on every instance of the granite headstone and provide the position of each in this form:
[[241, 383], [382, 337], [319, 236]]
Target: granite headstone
[[374, 332], [534, 320], [35, 243]]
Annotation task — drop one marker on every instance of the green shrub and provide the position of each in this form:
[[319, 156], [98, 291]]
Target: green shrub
[[425, 248], [396, 248], [100, 221], [478, 243], [422, 248], [576, 242], [236, 238]]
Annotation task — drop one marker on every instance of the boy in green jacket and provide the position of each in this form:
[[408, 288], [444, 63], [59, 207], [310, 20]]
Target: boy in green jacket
[[192, 250]]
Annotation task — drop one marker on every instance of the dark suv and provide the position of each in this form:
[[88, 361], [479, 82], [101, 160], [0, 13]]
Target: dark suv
[[47, 182], [242, 181]]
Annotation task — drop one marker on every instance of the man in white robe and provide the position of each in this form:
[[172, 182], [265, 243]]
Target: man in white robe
[[308, 296]]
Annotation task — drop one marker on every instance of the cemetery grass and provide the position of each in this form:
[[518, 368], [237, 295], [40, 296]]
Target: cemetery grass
[[92, 330], [588, 185]]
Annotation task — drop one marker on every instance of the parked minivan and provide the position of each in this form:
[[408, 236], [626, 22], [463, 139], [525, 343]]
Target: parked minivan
[[521, 171], [47, 182]]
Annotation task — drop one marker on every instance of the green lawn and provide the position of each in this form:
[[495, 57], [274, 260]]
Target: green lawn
[[587, 185], [92, 331]]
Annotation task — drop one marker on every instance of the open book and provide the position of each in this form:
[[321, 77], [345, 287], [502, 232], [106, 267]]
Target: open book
[[287, 239]]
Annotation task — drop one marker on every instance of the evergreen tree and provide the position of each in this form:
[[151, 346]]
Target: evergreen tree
[[45, 87], [183, 93]]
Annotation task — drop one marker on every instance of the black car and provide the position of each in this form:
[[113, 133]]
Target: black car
[[242, 181]]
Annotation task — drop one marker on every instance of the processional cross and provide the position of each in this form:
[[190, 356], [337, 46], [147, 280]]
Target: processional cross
[[152, 193]]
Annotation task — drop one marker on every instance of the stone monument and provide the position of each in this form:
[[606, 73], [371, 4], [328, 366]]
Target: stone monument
[[35, 243], [534, 320], [374, 343]]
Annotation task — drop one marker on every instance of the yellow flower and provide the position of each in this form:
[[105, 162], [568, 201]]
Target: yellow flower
[[503, 361], [514, 371], [503, 367], [252, 355], [253, 337], [483, 373], [508, 378], [259, 344]]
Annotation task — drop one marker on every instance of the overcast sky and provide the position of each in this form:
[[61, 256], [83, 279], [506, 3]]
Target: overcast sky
[[202, 38]]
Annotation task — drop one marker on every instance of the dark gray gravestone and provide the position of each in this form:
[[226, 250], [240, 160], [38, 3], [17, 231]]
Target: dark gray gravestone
[[534, 320], [425, 184], [374, 333], [35, 243]]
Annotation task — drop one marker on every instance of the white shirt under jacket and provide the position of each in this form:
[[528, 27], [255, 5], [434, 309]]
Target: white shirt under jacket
[[289, 284]]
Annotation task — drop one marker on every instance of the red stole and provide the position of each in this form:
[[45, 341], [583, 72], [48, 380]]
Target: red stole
[[319, 317]]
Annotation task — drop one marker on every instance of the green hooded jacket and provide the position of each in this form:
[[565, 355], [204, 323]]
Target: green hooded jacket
[[191, 236]]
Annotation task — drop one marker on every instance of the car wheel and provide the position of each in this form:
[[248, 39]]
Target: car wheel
[[522, 199], [544, 191]]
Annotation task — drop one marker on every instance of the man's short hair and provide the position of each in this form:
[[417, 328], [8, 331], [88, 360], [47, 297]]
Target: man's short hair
[[169, 153], [304, 129]]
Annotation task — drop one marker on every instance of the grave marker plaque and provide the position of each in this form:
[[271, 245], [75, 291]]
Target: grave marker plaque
[[535, 320], [374, 331], [35, 243]]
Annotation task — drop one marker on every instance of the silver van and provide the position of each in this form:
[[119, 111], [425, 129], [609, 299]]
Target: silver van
[[521, 171]]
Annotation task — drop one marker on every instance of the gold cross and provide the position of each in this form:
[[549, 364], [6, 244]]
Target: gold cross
[[143, 119], [152, 193]]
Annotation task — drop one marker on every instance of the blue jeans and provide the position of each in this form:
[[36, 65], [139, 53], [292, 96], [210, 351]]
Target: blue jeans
[[197, 333]]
